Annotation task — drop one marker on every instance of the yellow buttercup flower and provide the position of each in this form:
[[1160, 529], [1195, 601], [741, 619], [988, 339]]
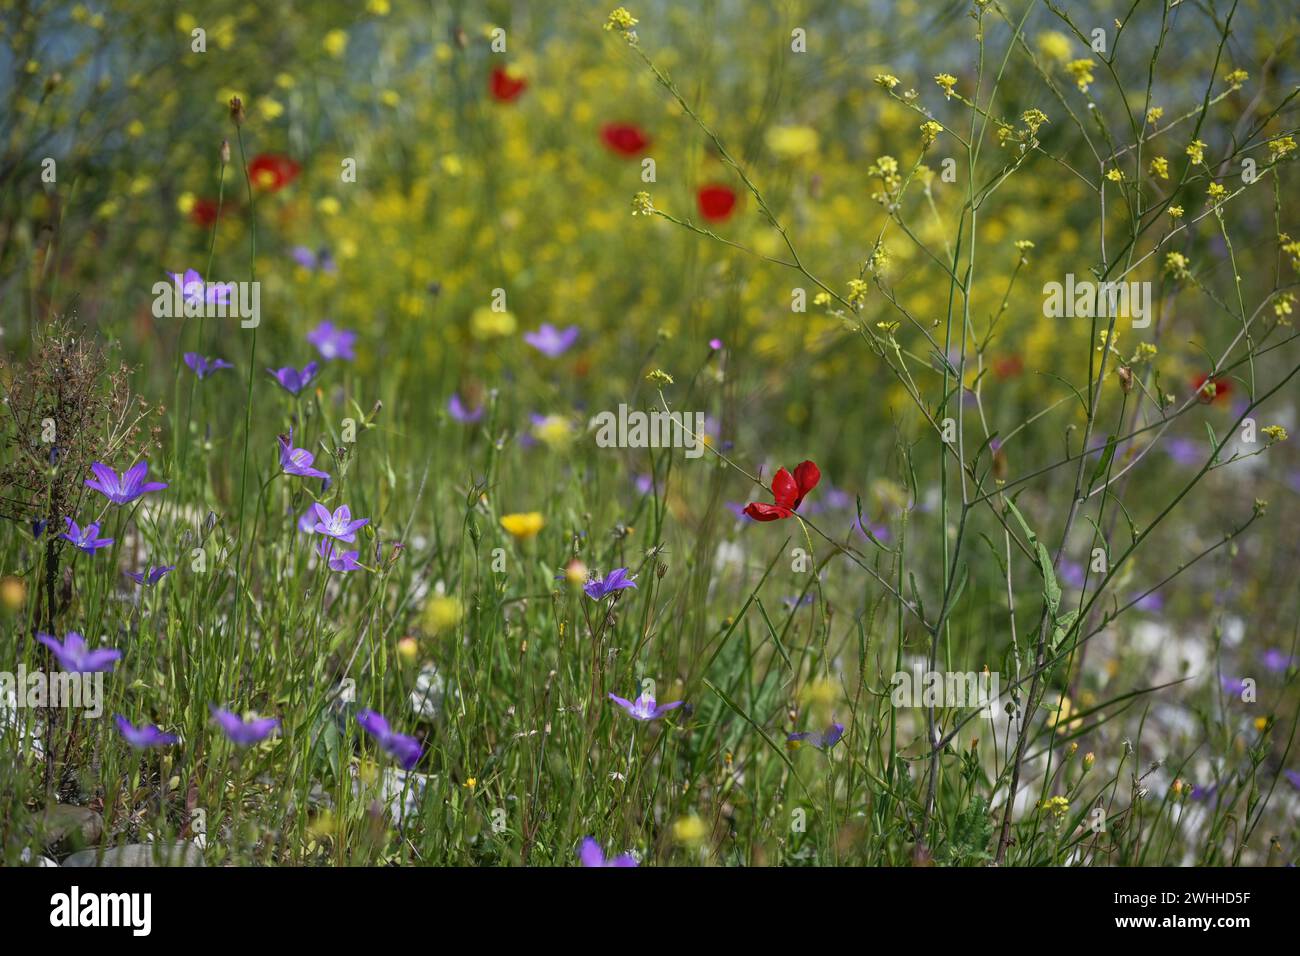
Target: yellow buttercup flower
[[443, 613], [523, 525], [335, 43], [486, 323]]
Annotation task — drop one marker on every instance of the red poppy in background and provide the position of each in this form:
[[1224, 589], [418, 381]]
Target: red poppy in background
[[204, 212], [624, 138], [507, 84], [788, 491], [1008, 366], [716, 202], [272, 171], [1222, 389]]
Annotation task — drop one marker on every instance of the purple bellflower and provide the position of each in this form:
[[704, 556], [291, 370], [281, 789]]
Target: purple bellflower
[[405, 749], [551, 341], [332, 342], [150, 575], [125, 488], [644, 707], [292, 380], [76, 657], [297, 461], [591, 854], [203, 367], [339, 524], [822, 741], [239, 732], [600, 588], [85, 539], [456, 408], [144, 736], [196, 292]]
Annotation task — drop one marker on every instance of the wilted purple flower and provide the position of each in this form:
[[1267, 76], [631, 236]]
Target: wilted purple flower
[[550, 341], [600, 588], [591, 854], [1275, 660], [240, 732], [76, 657], [456, 408], [405, 749], [151, 575], [643, 708], [333, 342], [195, 291], [143, 737], [85, 539], [297, 461], [822, 741], [123, 489], [203, 367], [292, 380], [338, 560], [339, 524], [321, 260]]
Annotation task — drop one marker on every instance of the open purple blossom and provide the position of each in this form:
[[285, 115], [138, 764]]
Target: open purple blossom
[[243, 732], [456, 408], [85, 539], [75, 656], [405, 749], [550, 341], [339, 560], [144, 736], [202, 366], [196, 292], [591, 854], [297, 461], [124, 488], [150, 575], [822, 741], [332, 342], [644, 707], [321, 260], [600, 588], [291, 379], [339, 524]]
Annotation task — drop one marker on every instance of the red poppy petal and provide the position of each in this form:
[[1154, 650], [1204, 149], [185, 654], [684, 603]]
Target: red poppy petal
[[806, 476], [765, 512], [784, 490]]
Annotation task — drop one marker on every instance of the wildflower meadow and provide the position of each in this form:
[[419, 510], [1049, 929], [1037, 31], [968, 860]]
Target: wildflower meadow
[[705, 434]]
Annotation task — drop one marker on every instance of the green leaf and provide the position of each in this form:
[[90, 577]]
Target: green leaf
[[1051, 590]]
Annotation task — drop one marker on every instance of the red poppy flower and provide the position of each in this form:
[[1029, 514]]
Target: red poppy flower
[[204, 212], [1008, 366], [624, 138], [716, 202], [507, 84], [1222, 389], [272, 171], [788, 491]]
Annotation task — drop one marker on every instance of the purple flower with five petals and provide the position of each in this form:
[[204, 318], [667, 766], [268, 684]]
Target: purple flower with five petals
[[822, 741], [144, 736], [405, 749], [297, 461], [591, 854], [644, 708], [196, 292], [85, 539], [150, 575], [240, 732], [339, 524], [292, 380], [332, 342], [551, 341], [76, 657], [456, 408], [599, 588], [203, 367], [125, 488]]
